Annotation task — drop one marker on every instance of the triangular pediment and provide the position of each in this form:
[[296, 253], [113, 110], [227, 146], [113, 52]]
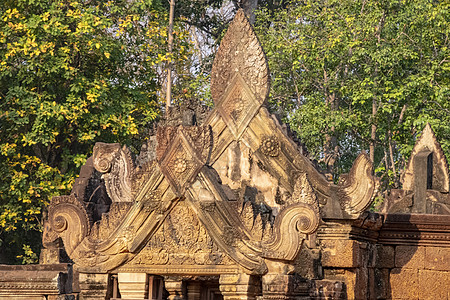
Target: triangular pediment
[[427, 144], [181, 243]]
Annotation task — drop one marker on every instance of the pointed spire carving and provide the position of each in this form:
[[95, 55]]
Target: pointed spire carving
[[427, 142], [240, 53], [240, 76]]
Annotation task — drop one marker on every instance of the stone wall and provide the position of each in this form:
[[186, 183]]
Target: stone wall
[[393, 256], [419, 252]]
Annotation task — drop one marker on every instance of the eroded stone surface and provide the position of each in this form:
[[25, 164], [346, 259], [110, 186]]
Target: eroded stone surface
[[410, 257], [437, 258], [405, 283]]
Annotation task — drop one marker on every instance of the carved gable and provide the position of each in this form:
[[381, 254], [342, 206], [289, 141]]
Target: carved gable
[[425, 180], [233, 194], [428, 146]]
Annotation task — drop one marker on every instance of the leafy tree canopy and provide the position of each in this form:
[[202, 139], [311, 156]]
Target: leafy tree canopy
[[71, 73], [342, 69]]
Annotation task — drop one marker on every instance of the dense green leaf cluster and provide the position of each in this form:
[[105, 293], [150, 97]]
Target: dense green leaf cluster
[[341, 67], [71, 73]]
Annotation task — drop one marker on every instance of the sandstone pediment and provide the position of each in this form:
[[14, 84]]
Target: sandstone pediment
[[218, 191]]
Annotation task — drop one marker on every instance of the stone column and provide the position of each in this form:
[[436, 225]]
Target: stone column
[[175, 288], [194, 289], [239, 286], [93, 286], [133, 285], [280, 286]]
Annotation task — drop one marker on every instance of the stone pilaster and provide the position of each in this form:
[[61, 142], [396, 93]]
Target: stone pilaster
[[133, 285], [239, 287], [175, 288]]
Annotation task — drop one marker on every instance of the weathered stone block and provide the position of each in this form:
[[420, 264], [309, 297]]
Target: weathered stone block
[[437, 258], [279, 286], [434, 284], [35, 281], [384, 257], [411, 257], [93, 286], [404, 283], [307, 263], [327, 289], [342, 253], [379, 284], [356, 281]]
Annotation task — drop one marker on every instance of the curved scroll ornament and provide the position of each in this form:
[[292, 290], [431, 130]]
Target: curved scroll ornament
[[291, 225], [358, 187], [298, 218], [67, 219], [117, 167]]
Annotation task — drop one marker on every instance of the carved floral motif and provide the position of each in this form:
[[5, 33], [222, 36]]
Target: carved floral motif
[[236, 105], [240, 52], [179, 165], [270, 146], [184, 154]]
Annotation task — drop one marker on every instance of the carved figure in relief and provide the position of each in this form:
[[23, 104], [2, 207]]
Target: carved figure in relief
[[182, 240]]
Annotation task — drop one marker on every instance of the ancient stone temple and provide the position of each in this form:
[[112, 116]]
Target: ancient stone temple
[[222, 203]]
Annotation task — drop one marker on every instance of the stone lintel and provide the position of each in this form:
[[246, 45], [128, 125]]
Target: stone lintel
[[415, 230], [35, 281]]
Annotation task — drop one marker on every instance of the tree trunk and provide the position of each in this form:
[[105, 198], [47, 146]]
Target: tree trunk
[[169, 66], [373, 133], [249, 7]]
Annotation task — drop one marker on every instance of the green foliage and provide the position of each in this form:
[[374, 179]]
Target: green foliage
[[331, 60], [71, 73]]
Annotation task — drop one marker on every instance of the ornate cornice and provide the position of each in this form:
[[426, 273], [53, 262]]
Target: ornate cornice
[[416, 230]]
